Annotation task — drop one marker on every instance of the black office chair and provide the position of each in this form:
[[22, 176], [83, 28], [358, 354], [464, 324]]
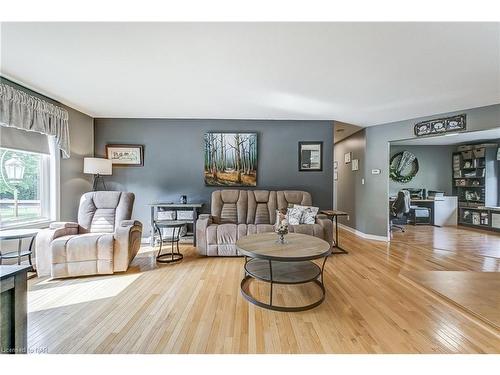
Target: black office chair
[[399, 208]]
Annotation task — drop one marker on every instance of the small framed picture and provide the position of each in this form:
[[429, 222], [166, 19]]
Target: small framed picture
[[125, 155], [311, 156], [355, 164], [347, 157]]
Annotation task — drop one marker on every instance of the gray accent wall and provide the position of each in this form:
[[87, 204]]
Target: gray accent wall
[[348, 187], [376, 188], [173, 161], [435, 168], [73, 182]]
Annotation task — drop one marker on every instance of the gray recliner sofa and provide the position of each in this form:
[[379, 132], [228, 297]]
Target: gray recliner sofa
[[103, 241], [237, 213]]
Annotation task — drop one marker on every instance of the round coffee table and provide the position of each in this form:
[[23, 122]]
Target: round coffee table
[[288, 263]]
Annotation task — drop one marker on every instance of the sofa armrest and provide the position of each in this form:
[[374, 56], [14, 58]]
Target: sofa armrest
[[127, 242], [327, 226], [44, 238], [204, 220], [63, 224]]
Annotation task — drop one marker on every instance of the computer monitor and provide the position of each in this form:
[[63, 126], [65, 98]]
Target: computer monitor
[[416, 193]]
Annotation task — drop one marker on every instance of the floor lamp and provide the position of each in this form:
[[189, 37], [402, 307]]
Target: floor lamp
[[98, 167]]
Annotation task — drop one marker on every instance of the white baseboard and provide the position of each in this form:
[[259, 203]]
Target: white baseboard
[[363, 235]]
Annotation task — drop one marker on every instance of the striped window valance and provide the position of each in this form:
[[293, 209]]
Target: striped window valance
[[27, 112]]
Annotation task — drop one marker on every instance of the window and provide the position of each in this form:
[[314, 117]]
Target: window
[[24, 187]]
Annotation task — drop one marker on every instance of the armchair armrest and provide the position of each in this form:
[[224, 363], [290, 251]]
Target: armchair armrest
[[321, 217], [128, 223], [127, 238], [63, 224], [44, 238], [204, 220]]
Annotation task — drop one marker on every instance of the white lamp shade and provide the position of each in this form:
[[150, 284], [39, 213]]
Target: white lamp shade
[[97, 166]]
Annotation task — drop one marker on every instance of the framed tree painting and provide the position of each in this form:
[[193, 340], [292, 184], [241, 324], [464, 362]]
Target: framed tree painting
[[230, 159]]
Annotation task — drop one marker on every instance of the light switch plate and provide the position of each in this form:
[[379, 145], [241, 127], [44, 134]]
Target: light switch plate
[[375, 171]]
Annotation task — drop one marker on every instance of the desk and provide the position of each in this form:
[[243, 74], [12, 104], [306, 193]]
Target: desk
[[443, 209], [334, 214]]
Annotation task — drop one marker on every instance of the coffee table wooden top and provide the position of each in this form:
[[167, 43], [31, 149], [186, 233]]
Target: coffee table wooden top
[[298, 247]]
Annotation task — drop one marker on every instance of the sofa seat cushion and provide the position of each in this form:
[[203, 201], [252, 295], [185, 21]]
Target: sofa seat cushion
[[310, 229], [84, 254]]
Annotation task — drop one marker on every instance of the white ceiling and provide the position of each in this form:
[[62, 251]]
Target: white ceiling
[[453, 138], [359, 73]]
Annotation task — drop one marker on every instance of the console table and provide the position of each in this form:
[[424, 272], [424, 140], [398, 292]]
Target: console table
[[194, 207]]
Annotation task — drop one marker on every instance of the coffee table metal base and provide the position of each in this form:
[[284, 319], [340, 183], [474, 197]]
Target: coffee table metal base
[[290, 273]]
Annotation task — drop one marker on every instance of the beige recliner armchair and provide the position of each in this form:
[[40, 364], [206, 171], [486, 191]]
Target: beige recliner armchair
[[103, 241], [238, 213]]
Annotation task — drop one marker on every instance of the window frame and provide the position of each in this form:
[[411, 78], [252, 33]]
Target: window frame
[[49, 191]]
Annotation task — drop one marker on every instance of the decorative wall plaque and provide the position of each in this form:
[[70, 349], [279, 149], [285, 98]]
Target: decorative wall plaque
[[439, 126]]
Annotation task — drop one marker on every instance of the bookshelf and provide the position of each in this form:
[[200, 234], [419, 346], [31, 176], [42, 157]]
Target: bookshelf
[[475, 183]]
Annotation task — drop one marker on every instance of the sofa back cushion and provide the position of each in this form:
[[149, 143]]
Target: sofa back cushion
[[291, 197], [254, 206], [261, 207], [103, 211], [229, 206]]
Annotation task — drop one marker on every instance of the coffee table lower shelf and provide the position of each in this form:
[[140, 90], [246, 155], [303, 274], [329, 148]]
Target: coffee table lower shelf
[[282, 272]]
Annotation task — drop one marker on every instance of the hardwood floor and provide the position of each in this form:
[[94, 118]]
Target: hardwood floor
[[196, 307], [478, 293]]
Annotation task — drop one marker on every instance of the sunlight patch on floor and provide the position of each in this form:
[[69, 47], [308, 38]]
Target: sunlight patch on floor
[[63, 294]]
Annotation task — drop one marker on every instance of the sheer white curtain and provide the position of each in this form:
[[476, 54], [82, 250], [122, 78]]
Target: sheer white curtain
[[27, 112]]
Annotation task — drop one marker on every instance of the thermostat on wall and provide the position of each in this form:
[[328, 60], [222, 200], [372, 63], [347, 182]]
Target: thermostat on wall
[[375, 171]]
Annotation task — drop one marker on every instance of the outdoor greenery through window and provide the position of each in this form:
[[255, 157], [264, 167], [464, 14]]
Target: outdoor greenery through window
[[21, 184]]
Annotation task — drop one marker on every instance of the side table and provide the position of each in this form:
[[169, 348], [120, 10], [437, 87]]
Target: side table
[[19, 235], [334, 214], [176, 226]]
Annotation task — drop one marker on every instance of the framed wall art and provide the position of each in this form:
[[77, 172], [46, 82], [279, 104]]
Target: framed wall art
[[230, 159], [439, 126], [310, 156], [125, 155], [355, 164], [347, 157]]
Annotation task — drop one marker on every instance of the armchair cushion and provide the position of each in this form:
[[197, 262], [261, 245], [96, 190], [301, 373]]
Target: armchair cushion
[[79, 255], [43, 256]]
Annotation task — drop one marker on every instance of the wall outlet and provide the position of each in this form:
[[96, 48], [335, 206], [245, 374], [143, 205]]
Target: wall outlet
[[347, 217], [362, 181]]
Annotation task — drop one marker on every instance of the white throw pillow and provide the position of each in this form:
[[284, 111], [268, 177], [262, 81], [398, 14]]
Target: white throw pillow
[[308, 214], [294, 215]]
